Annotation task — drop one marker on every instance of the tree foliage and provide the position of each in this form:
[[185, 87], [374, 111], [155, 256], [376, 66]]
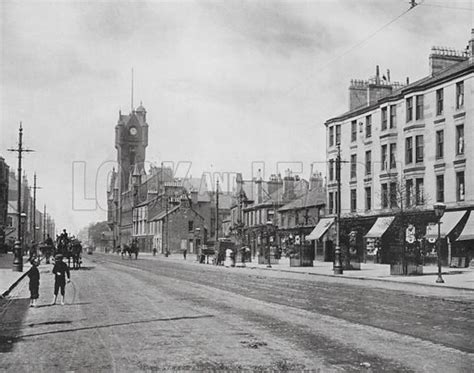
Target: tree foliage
[[96, 230]]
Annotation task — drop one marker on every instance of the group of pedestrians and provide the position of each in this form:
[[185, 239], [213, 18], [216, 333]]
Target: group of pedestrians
[[60, 272]]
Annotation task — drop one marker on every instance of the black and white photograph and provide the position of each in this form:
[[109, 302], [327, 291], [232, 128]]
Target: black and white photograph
[[237, 186]]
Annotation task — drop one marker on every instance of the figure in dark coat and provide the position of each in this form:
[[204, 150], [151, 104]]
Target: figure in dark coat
[[60, 270], [34, 276]]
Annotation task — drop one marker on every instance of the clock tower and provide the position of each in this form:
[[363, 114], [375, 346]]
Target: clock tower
[[131, 140]]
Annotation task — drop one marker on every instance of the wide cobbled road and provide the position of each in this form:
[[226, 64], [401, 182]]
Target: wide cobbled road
[[164, 314]]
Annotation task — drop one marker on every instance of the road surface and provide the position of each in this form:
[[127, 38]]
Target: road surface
[[158, 314]]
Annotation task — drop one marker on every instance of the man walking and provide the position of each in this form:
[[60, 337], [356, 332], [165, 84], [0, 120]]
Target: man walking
[[60, 270]]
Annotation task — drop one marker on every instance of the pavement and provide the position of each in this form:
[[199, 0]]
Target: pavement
[[459, 278], [9, 278]]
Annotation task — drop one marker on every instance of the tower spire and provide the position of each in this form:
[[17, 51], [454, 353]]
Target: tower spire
[[132, 93]]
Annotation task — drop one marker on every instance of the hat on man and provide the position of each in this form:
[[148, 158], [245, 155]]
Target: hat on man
[[58, 256]]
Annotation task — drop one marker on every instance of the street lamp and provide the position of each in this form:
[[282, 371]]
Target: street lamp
[[269, 227], [439, 211]]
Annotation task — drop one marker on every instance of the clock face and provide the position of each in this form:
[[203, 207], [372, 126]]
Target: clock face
[[133, 131]]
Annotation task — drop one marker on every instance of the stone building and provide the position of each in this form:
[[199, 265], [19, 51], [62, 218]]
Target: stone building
[[405, 147], [139, 202]]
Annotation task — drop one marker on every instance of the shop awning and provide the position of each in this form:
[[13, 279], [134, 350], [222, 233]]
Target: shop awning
[[468, 230], [323, 225], [448, 222], [379, 227]]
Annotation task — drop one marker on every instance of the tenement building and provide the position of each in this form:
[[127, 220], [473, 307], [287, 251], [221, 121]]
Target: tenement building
[[404, 147]]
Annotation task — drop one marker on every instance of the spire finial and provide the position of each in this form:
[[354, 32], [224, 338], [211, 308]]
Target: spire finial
[[131, 98]]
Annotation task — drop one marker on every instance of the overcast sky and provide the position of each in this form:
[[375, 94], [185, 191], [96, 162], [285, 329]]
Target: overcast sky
[[225, 83]]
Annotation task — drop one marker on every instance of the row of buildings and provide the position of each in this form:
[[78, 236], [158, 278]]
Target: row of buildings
[[168, 214], [42, 222], [404, 147], [401, 147]]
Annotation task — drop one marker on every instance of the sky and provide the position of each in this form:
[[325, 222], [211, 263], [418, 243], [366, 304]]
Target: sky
[[226, 84]]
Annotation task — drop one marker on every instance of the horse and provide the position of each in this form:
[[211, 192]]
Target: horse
[[75, 251], [132, 249], [47, 251]]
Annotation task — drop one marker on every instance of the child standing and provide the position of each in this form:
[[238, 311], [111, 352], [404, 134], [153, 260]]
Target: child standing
[[60, 270], [34, 276]]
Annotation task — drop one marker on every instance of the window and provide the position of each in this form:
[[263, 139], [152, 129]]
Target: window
[[368, 198], [393, 195], [383, 158], [331, 136], [439, 144], [419, 107], [460, 186], [331, 169], [409, 192], [331, 203], [353, 200], [384, 199], [459, 95], [393, 155], [353, 166], [368, 162], [409, 107], [338, 134], [408, 150], [439, 101], [460, 139], [384, 118], [353, 131], [297, 218], [419, 148], [440, 188], [368, 126], [393, 116], [419, 191]]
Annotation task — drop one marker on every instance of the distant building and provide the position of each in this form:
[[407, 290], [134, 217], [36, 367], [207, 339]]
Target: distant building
[[404, 148], [4, 181]]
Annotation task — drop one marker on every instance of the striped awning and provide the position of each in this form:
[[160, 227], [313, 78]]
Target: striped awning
[[468, 230], [321, 228], [448, 222], [380, 227]]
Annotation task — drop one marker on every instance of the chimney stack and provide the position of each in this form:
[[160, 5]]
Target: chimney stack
[[442, 58], [471, 47]]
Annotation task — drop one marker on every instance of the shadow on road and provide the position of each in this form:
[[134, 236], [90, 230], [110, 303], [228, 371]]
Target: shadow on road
[[93, 327], [12, 314]]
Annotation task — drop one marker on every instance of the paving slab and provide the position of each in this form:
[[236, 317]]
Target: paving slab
[[9, 278]]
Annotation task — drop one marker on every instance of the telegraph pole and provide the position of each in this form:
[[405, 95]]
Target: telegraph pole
[[217, 211], [18, 260], [44, 222], [337, 268]]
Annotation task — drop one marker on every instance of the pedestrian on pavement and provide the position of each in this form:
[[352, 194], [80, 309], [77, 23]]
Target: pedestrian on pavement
[[154, 251], [34, 276], [60, 270], [185, 251]]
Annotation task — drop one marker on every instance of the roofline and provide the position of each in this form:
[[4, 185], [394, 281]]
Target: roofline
[[414, 87]]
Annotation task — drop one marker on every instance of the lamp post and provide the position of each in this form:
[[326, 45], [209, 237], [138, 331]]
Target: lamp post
[[439, 211], [18, 260], [337, 266], [269, 228]]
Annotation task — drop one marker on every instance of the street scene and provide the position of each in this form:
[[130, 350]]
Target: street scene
[[264, 186]]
